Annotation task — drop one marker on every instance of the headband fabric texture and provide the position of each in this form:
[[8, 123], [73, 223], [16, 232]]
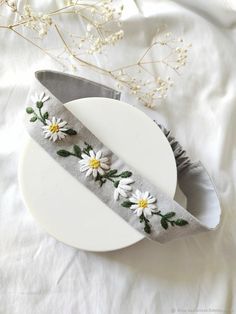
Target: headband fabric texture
[[139, 202]]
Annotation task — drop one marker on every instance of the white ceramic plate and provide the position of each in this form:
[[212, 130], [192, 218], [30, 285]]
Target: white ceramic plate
[[68, 210]]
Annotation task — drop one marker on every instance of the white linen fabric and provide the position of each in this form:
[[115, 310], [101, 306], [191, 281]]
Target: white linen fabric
[[41, 275]]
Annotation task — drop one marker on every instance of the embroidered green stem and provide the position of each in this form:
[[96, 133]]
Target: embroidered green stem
[[65, 153], [147, 225], [42, 117], [165, 219], [35, 117], [110, 175]]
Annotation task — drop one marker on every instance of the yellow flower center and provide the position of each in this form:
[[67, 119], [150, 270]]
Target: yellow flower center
[[143, 203], [54, 128], [94, 163]]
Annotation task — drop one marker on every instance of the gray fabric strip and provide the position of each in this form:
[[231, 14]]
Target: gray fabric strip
[[169, 220]]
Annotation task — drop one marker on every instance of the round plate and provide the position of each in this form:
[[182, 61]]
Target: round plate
[[67, 209]]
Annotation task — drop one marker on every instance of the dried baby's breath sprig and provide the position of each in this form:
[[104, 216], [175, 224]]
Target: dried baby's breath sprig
[[148, 85], [38, 22], [148, 79]]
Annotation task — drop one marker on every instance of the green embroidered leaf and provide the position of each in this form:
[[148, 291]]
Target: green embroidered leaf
[[164, 223], [39, 104], [116, 183], [89, 147], [147, 228], [111, 173], [63, 153], [181, 222], [169, 215], [126, 174], [45, 115], [29, 110], [70, 132], [77, 151], [33, 119], [127, 204]]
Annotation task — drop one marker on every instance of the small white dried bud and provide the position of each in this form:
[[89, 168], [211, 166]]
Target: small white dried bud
[[89, 27], [42, 32]]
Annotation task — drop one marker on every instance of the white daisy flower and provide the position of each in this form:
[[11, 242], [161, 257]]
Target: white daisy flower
[[39, 98], [94, 163], [55, 129], [144, 203], [122, 188]]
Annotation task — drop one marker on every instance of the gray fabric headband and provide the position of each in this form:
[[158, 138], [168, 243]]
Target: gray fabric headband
[[144, 206]]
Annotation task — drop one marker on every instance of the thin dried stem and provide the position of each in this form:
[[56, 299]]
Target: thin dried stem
[[37, 46]]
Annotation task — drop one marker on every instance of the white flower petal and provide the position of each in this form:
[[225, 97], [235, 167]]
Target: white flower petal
[[85, 157], [134, 207], [104, 159], [104, 166], [145, 195], [98, 154], [45, 98], [126, 181], [101, 171], [116, 194], [151, 200], [139, 211], [47, 135], [125, 187], [91, 153], [62, 123], [95, 172], [83, 168], [54, 137], [83, 162], [122, 192], [133, 199], [90, 170]]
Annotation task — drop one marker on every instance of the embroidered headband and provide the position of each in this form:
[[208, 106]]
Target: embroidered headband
[[140, 203]]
